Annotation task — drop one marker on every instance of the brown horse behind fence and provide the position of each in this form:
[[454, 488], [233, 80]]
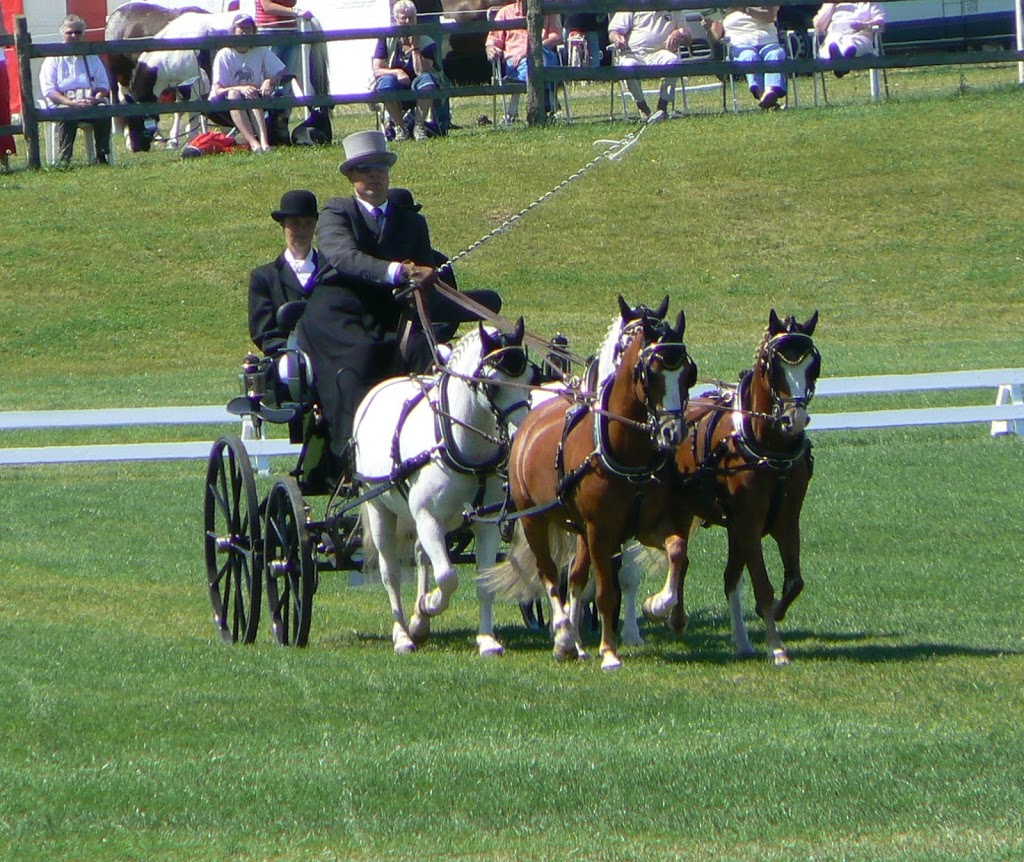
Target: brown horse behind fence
[[745, 465]]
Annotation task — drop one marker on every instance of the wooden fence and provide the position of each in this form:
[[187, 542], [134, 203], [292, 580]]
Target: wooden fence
[[539, 75]]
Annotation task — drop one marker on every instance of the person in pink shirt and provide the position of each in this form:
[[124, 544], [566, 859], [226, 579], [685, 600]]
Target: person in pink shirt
[[511, 46]]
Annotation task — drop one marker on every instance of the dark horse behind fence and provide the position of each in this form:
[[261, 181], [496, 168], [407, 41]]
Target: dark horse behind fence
[[744, 465], [577, 465]]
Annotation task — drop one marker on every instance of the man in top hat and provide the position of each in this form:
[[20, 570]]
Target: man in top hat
[[372, 244], [291, 277], [370, 247]]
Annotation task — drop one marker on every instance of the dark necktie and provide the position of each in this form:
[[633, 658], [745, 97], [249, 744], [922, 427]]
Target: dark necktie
[[378, 215]]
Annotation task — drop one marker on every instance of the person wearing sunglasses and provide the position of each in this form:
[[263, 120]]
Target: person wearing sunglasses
[[76, 81]]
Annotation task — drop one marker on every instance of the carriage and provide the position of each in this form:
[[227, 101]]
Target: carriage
[[276, 544]]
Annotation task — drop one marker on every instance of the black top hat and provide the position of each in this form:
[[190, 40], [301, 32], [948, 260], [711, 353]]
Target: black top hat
[[296, 203]]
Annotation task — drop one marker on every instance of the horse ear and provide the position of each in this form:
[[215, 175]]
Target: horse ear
[[517, 335], [487, 344], [680, 326], [812, 321], [774, 324], [624, 310], [662, 309]]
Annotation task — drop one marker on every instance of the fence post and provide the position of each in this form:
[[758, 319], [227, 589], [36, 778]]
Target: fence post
[[29, 124], [536, 80]]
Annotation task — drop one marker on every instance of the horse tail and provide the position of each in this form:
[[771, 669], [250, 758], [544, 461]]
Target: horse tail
[[517, 579], [371, 555]]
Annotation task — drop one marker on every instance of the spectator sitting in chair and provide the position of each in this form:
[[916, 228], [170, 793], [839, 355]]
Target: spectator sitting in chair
[[511, 46], [649, 39], [76, 82], [753, 36], [246, 73], [407, 63], [291, 277], [847, 30]]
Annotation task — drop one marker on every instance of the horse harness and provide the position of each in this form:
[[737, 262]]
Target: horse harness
[[445, 445]]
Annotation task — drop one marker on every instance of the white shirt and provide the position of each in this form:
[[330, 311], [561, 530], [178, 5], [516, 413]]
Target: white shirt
[[303, 268], [69, 73]]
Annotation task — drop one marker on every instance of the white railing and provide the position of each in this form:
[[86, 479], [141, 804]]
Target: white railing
[[1006, 417]]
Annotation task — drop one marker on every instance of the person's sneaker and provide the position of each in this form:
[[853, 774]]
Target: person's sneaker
[[401, 134], [770, 99], [419, 132], [657, 117]]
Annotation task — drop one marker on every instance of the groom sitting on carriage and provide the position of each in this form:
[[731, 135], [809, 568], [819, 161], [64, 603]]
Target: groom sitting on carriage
[[355, 329]]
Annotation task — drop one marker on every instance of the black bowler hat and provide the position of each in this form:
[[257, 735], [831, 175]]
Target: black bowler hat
[[296, 203]]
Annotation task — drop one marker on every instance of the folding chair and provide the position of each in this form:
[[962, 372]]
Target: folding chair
[[698, 49], [791, 49]]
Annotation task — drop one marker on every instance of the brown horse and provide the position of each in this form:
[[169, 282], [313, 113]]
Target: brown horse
[[745, 465], [578, 467]]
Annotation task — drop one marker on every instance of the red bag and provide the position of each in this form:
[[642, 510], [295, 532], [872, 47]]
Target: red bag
[[211, 143]]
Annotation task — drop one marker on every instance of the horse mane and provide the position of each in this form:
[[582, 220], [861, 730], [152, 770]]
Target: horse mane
[[607, 354], [463, 355]]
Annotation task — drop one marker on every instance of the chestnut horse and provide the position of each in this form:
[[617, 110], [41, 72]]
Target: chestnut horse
[[745, 465], [578, 467]]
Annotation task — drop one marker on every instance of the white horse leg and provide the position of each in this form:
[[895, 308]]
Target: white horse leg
[[740, 637], [577, 600], [432, 537], [777, 654], [486, 542], [419, 627], [174, 133], [630, 576], [382, 528]]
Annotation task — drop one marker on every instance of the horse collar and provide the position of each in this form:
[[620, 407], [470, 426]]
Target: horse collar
[[602, 445], [748, 446]]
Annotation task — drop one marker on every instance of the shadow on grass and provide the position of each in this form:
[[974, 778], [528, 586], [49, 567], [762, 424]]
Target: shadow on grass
[[708, 641]]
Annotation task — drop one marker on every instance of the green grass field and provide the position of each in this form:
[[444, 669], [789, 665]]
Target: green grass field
[[129, 732]]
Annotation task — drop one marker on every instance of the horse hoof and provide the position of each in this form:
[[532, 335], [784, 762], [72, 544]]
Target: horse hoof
[[631, 636], [678, 623], [488, 646], [780, 658], [419, 628], [649, 612], [403, 645], [610, 661], [562, 653]]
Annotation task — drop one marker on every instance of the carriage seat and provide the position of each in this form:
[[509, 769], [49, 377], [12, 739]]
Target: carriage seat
[[278, 388]]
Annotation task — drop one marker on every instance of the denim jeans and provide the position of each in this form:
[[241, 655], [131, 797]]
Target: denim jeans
[[770, 53]]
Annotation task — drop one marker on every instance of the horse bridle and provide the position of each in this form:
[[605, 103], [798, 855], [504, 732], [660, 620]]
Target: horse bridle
[[774, 358]]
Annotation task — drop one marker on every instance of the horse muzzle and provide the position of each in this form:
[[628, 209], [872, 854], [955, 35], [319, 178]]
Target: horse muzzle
[[794, 420], [669, 431]]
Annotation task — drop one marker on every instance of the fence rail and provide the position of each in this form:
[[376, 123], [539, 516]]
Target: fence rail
[[1006, 416]]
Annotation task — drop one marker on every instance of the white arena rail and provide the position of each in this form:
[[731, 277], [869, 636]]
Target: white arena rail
[[1006, 417]]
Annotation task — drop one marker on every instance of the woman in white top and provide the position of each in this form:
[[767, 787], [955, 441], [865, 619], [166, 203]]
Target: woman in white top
[[753, 36], [847, 30]]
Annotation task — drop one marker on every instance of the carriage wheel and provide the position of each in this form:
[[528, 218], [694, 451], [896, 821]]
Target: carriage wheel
[[288, 564], [232, 544]]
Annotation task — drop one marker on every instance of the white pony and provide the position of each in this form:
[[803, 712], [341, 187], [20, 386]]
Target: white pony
[[434, 445]]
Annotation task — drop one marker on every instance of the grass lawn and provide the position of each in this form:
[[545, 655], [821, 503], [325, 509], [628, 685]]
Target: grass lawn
[[131, 733]]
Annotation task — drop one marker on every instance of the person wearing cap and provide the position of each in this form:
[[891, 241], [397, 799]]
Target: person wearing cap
[[370, 247], [291, 277], [246, 73]]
